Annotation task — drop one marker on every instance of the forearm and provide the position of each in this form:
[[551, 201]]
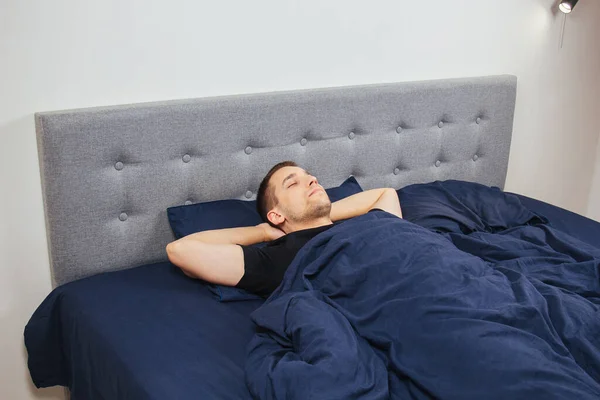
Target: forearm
[[245, 236], [355, 205]]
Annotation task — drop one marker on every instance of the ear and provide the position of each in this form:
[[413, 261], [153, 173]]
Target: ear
[[275, 217]]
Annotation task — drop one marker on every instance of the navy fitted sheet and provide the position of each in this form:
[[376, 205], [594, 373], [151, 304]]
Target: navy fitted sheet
[[143, 333]]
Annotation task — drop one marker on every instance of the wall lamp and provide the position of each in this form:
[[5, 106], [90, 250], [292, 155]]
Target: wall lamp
[[567, 6]]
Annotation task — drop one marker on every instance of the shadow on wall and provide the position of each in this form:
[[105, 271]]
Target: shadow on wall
[[24, 272]]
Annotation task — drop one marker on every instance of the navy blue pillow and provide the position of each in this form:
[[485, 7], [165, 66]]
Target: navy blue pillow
[[222, 214]]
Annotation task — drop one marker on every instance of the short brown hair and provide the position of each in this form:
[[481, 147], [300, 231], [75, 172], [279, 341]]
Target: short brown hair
[[265, 198]]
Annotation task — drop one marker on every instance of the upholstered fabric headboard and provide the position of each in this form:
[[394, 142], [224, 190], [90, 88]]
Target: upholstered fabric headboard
[[109, 173]]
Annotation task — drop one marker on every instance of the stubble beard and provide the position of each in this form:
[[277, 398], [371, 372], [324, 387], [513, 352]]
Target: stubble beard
[[316, 211]]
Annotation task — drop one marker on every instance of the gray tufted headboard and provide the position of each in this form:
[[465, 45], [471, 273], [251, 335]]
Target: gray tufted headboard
[[109, 174]]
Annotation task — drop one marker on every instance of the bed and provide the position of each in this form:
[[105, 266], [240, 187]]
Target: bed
[[123, 323]]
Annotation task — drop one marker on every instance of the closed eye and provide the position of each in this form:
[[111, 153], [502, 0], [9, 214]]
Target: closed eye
[[293, 183]]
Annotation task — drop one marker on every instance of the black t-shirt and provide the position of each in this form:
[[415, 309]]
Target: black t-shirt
[[264, 267]]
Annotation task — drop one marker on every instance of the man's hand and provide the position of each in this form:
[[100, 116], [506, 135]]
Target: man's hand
[[270, 233]]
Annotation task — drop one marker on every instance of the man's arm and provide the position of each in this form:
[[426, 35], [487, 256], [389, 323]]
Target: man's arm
[[215, 256], [245, 236], [361, 203]]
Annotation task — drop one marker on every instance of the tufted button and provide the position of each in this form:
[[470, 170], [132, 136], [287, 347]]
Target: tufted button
[[396, 171], [248, 194], [441, 124], [187, 202], [123, 216], [399, 129], [303, 142], [119, 166], [248, 150], [438, 163], [478, 120], [351, 135], [475, 157], [186, 158]]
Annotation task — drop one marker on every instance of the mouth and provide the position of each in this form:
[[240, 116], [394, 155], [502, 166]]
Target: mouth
[[315, 190]]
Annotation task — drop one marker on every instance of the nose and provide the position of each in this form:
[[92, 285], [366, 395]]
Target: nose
[[312, 180]]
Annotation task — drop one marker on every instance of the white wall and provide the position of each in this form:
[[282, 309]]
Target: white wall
[[69, 53], [594, 200]]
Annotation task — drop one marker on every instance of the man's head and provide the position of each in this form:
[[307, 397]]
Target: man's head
[[289, 196]]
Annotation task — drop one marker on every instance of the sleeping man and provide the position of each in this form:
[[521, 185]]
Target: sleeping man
[[378, 307], [296, 208]]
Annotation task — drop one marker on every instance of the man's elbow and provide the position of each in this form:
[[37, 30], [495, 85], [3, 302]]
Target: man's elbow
[[173, 251], [390, 202], [391, 192], [396, 201]]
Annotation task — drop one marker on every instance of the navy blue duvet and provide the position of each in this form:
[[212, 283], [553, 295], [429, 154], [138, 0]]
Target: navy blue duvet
[[483, 308]]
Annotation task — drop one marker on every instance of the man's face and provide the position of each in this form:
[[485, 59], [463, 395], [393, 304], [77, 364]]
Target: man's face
[[300, 197]]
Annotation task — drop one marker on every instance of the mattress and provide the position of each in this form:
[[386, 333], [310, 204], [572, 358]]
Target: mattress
[[152, 333]]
